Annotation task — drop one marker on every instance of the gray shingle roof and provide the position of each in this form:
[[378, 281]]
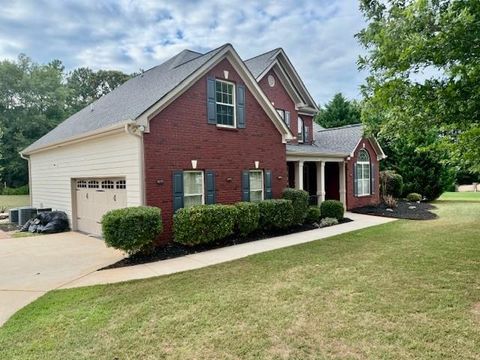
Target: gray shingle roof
[[335, 141], [258, 64], [130, 100]]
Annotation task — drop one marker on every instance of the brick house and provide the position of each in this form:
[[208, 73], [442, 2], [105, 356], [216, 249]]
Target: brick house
[[199, 129]]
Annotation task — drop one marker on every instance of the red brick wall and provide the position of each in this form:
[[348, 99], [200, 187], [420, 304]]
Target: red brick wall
[[280, 98], [180, 133], [359, 201]]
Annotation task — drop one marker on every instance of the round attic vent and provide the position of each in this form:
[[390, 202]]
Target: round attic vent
[[271, 80]]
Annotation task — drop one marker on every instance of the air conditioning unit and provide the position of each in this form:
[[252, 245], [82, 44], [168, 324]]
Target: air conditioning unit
[[13, 216], [25, 214]]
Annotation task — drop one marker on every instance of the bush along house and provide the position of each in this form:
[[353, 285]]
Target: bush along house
[[199, 129]]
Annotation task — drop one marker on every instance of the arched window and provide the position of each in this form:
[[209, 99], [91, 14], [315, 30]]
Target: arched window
[[362, 176], [301, 130]]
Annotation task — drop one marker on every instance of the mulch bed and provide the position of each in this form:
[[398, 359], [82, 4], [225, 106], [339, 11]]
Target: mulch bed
[[404, 210], [173, 250]]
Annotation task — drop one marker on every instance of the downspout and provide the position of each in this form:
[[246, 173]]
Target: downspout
[[29, 177], [132, 128]]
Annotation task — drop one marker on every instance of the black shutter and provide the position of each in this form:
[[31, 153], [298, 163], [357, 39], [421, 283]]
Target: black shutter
[[246, 185], [268, 184], [241, 106], [355, 180], [372, 179], [177, 190], [211, 105], [210, 187]]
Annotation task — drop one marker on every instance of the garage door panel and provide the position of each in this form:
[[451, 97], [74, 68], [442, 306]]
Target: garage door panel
[[95, 197]]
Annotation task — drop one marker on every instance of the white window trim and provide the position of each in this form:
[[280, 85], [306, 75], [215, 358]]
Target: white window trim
[[234, 99], [300, 120], [203, 186], [360, 188], [263, 183]]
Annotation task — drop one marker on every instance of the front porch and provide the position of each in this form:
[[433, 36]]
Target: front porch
[[323, 178]]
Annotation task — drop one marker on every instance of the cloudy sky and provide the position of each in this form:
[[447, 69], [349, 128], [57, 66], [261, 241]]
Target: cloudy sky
[[130, 35]]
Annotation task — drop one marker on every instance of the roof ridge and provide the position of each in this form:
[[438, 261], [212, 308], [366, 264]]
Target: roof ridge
[[340, 127], [265, 53], [202, 55]]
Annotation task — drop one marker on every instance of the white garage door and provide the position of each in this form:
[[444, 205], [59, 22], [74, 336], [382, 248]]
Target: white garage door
[[94, 197]]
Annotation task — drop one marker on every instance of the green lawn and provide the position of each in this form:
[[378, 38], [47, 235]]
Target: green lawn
[[463, 196], [407, 289], [12, 201]]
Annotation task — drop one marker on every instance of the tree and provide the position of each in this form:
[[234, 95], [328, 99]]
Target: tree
[[34, 98], [422, 57], [339, 112]]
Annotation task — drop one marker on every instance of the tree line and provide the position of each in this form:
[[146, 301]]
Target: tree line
[[34, 98]]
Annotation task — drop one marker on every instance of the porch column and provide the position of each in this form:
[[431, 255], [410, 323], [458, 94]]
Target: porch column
[[343, 192], [299, 175], [320, 181]]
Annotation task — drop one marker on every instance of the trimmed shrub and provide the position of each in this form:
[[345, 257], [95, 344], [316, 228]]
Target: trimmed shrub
[[299, 199], [391, 183], [313, 215], [328, 222], [275, 214], [132, 229], [248, 216], [414, 197], [332, 209], [203, 224], [22, 190]]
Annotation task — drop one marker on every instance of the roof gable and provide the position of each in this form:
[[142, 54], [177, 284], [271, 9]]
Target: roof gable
[[141, 97]]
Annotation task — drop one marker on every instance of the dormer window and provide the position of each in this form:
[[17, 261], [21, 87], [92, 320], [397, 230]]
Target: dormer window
[[225, 103], [301, 131]]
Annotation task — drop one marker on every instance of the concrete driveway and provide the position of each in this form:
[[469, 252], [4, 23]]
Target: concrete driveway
[[31, 266]]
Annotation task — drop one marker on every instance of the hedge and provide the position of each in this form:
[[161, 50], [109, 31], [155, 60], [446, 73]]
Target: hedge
[[203, 224], [414, 197], [391, 183], [332, 209], [313, 215], [299, 199], [132, 229], [248, 216], [22, 190], [275, 214]]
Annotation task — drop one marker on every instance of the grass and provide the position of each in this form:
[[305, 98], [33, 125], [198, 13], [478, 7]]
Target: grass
[[11, 201], [403, 290], [461, 196]]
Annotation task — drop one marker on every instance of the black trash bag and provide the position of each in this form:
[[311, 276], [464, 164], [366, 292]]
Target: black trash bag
[[47, 223]]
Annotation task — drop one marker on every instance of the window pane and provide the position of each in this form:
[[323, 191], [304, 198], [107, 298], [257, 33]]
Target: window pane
[[366, 171], [192, 183], [256, 195], [255, 181], [192, 200], [300, 130]]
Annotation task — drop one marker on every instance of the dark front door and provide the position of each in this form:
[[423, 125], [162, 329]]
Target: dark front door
[[310, 181], [332, 181]]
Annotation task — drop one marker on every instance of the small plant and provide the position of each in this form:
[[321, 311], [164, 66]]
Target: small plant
[[390, 201], [313, 215], [332, 209], [248, 217], [132, 229], [275, 214], [414, 197], [328, 222], [299, 200], [204, 224]]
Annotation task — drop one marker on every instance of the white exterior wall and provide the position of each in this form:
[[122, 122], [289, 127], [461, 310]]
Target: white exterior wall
[[52, 171]]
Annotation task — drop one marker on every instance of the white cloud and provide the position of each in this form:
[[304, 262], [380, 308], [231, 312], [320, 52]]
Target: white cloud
[[127, 35]]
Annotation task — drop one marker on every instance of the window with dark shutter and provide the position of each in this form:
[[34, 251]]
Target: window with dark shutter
[[211, 105], [177, 190], [268, 184], [246, 185]]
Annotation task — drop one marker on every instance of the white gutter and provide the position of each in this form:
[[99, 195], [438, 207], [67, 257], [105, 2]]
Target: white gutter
[[29, 177], [137, 131], [91, 134]]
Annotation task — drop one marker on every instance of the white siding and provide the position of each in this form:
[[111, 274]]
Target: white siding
[[117, 155]]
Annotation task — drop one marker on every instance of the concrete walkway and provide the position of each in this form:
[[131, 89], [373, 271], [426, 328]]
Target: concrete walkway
[[31, 266], [217, 256]]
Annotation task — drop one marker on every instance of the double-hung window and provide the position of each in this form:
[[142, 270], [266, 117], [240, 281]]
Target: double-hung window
[[193, 193], [301, 130], [363, 173], [225, 103], [256, 185]]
